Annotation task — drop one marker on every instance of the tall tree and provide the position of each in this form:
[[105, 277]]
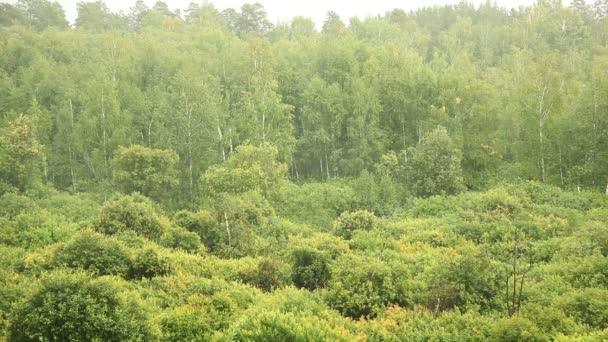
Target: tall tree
[[151, 172], [41, 14], [95, 16], [435, 165], [21, 156]]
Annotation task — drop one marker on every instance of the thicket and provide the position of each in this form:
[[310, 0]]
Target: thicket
[[437, 175]]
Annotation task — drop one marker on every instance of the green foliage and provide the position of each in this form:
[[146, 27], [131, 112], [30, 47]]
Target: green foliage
[[363, 286], [277, 326], [21, 155], [349, 222], [335, 161], [95, 253], [35, 229], [310, 268], [462, 279], [435, 166], [239, 217], [517, 329], [131, 213], [398, 324], [316, 204], [588, 306], [151, 172], [12, 204], [74, 307], [202, 223], [265, 276], [249, 168], [376, 192], [148, 264], [182, 239]]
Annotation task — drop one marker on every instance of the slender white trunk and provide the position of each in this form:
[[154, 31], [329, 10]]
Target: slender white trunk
[[230, 136], [219, 132], [561, 168], [104, 132], [70, 152], [263, 127], [321, 165], [542, 115], [190, 172], [228, 229], [327, 166], [150, 133]]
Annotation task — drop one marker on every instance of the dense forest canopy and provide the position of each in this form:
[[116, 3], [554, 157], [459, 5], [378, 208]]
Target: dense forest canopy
[[206, 175]]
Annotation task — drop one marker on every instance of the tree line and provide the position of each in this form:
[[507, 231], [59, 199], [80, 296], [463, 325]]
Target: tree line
[[198, 175], [519, 92]]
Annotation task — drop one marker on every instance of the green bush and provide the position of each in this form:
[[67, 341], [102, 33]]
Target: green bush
[[265, 276], [74, 307], [588, 306], [186, 324], [180, 238], [316, 204], [399, 324], [515, 329], [363, 287], [95, 253], [148, 264], [348, 222], [130, 213], [310, 268], [12, 204], [273, 326], [202, 223], [35, 229]]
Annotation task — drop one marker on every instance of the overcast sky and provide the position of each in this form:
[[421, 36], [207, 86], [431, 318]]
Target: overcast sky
[[284, 10]]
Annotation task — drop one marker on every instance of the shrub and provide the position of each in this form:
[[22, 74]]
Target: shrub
[[135, 213], [310, 268], [363, 287], [12, 204], [348, 222], [179, 238], [149, 264], [588, 306], [203, 224], [265, 276], [517, 329], [73, 307], [93, 252], [149, 171], [399, 324], [287, 326]]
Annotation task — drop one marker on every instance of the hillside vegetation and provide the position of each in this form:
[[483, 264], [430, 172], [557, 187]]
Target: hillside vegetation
[[197, 175]]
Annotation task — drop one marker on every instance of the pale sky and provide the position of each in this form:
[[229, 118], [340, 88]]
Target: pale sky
[[284, 10]]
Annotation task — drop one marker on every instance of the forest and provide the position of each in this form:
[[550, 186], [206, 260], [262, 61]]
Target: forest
[[208, 175]]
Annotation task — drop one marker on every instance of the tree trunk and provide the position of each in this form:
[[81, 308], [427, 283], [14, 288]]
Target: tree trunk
[[104, 133], [542, 116], [219, 132], [327, 166], [190, 172], [228, 229], [561, 168], [321, 165], [230, 137], [542, 153], [70, 152]]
